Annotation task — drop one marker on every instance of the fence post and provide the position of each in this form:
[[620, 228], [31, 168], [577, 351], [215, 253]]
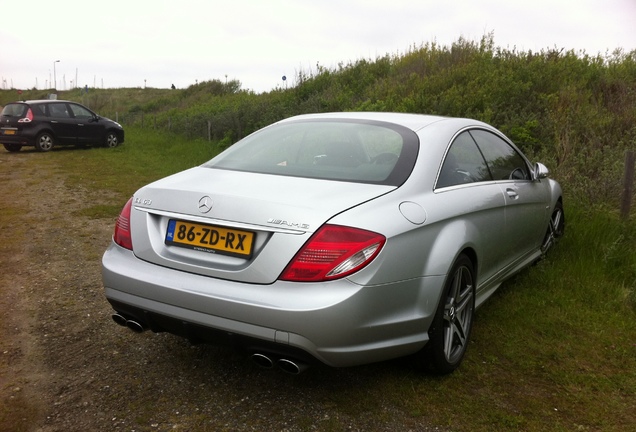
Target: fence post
[[629, 184]]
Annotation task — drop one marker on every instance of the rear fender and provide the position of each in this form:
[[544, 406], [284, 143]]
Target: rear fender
[[450, 242]]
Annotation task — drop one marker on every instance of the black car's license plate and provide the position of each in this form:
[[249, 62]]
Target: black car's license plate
[[210, 238]]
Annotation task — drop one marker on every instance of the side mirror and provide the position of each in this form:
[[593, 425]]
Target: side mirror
[[540, 171]]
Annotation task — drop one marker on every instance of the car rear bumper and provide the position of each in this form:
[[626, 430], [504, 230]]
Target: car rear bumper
[[25, 140], [337, 323]]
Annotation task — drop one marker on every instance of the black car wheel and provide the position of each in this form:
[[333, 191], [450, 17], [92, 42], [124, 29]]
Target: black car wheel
[[12, 147], [112, 140], [450, 332], [556, 228], [44, 142]]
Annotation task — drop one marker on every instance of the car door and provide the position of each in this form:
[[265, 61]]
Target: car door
[[62, 122], [525, 199], [89, 129], [466, 181]]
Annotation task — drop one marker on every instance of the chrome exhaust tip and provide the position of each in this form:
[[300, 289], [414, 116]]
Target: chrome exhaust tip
[[292, 367], [262, 360], [119, 319], [135, 326]]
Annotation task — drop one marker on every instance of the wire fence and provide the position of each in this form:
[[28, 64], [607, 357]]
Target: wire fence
[[190, 127]]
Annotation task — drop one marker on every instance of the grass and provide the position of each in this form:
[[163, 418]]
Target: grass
[[554, 349], [146, 156]]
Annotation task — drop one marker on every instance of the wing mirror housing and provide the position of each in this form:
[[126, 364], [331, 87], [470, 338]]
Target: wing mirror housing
[[540, 171]]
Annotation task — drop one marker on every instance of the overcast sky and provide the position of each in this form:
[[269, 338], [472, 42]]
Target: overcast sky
[[133, 43]]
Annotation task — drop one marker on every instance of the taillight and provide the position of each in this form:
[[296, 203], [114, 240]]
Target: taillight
[[122, 228], [28, 118], [333, 252]]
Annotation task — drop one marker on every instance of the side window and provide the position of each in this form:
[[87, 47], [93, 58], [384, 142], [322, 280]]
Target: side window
[[41, 109], [463, 164], [80, 112], [503, 160], [59, 110]]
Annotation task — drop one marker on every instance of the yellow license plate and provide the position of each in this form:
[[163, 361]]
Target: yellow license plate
[[210, 238], [9, 132]]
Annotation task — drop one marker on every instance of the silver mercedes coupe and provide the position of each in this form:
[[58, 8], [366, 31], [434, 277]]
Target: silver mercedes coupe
[[341, 238]]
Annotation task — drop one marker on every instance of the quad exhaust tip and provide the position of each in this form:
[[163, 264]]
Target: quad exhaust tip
[[131, 324], [292, 367], [289, 366], [263, 361]]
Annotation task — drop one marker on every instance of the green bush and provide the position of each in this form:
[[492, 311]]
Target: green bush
[[573, 111]]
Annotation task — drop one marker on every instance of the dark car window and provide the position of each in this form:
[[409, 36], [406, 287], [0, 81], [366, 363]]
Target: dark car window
[[39, 109], [367, 152], [80, 112], [59, 110], [14, 110], [464, 163], [503, 160]]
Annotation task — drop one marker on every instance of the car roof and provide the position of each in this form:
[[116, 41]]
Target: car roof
[[40, 101], [414, 122]]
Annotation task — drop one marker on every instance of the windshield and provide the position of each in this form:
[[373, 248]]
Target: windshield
[[357, 151]]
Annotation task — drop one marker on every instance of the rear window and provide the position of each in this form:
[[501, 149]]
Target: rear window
[[14, 110], [356, 151]]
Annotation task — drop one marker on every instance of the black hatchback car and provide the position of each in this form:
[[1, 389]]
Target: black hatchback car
[[45, 123]]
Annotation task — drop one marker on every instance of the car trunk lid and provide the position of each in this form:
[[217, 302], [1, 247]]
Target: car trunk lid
[[257, 222]]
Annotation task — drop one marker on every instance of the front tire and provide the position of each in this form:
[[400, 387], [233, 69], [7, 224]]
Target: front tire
[[556, 228], [112, 140], [450, 331], [44, 142]]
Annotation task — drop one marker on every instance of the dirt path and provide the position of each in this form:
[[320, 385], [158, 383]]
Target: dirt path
[[50, 287], [65, 366]]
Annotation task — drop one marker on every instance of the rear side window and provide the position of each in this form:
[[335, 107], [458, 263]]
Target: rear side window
[[464, 163], [504, 162], [14, 110], [59, 110], [357, 151], [39, 108]]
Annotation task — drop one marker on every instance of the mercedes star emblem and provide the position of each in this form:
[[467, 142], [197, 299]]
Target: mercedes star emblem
[[205, 204]]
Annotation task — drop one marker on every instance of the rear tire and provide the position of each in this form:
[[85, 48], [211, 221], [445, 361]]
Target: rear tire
[[449, 333], [44, 142], [12, 147]]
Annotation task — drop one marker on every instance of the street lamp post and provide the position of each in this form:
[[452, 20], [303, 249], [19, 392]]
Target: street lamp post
[[54, 77]]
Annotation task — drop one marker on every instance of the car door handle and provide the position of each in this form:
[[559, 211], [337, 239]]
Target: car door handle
[[512, 193], [53, 121]]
